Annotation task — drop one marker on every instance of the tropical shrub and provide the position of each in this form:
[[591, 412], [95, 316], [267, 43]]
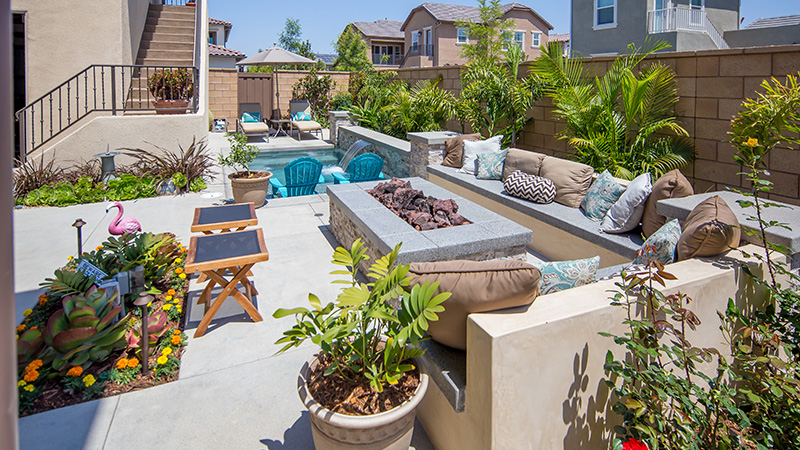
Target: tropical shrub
[[317, 90], [623, 121]]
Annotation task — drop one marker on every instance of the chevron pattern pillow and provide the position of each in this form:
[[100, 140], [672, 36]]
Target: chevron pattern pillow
[[530, 187]]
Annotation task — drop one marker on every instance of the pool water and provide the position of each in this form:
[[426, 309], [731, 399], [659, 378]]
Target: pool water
[[276, 161]]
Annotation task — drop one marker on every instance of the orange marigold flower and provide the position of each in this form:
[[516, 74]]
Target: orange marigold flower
[[75, 371], [184, 249], [133, 362], [176, 331], [98, 248], [179, 270], [122, 363], [36, 364], [170, 291], [20, 328], [176, 339], [31, 376]]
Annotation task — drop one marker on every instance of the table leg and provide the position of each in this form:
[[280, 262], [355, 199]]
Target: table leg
[[229, 289], [207, 291]]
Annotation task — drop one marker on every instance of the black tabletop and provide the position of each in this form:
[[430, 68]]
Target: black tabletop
[[228, 213], [214, 247]]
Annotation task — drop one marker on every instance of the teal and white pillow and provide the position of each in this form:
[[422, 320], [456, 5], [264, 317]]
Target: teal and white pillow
[[250, 117], [601, 196], [661, 245], [302, 115], [490, 165], [563, 275]]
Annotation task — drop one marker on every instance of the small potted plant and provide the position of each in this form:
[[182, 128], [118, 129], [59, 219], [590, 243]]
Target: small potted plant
[[171, 90], [363, 387], [247, 185]]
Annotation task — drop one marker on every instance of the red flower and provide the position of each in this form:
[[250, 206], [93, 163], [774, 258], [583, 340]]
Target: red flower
[[633, 444]]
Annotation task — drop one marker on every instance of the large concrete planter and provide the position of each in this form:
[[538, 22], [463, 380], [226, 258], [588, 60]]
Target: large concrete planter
[[391, 430], [253, 189], [171, 106]]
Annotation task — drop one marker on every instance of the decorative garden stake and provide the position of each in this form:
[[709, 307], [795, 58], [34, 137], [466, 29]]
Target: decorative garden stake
[[107, 164], [142, 302], [78, 224]]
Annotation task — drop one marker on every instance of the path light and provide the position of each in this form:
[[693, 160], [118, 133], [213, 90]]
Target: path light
[[78, 224], [107, 164], [142, 302]]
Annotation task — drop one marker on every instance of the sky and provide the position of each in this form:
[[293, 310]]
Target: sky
[[258, 23]]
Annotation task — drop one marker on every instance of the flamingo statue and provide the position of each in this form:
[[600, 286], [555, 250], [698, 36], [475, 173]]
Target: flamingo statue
[[119, 225]]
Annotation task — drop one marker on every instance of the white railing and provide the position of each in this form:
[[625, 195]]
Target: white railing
[[683, 19]]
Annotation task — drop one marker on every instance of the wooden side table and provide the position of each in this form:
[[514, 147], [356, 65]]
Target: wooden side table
[[213, 255], [224, 218]]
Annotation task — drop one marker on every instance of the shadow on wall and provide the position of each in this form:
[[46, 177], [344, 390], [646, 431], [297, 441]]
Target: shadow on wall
[[590, 430]]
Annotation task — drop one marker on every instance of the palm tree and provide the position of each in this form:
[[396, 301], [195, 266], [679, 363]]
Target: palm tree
[[623, 121]]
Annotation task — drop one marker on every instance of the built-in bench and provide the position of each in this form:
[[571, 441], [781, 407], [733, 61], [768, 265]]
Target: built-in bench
[[559, 232]]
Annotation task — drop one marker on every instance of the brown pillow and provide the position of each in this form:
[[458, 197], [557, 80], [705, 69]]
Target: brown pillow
[[454, 149], [671, 185], [572, 179], [528, 162], [710, 229], [477, 286]]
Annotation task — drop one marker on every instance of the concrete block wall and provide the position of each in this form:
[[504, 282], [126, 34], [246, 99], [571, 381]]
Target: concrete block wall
[[712, 84], [288, 78], [223, 94]]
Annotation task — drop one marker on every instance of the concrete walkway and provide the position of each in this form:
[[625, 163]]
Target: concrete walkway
[[232, 392]]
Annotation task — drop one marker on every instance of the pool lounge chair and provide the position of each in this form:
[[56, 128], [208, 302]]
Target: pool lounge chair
[[302, 176], [251, 122], [301, 118], [364, 167]]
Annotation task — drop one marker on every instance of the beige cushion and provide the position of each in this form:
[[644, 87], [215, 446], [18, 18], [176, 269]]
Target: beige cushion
[[671, 185], [710, 229], [454, 149], [528, 162], [572, 179], [477, 286], [306, 125], [254, 127]]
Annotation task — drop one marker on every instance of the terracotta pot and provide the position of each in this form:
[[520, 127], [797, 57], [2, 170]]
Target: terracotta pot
[[171, 106], [390, 430], [253, 189]]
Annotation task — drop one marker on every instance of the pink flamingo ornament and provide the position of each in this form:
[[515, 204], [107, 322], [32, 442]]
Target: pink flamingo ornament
[[119, 225]]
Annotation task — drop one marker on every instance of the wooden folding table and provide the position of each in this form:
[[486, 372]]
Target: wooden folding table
[[224, 218], [213, 255]]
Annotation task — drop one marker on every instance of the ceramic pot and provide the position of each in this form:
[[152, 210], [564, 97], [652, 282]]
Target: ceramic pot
[[253, 189], [171, 106], [390, 430]]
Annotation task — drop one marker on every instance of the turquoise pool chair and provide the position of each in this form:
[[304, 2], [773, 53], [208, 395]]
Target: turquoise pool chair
[[302, 176], [364, 167]]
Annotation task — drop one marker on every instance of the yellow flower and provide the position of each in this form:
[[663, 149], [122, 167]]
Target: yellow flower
[[752, 142], [89, 380], [176, 301], [21, 383], [170, 292], [133, 362], [166, 352], [179, 270], [148, 305], [168, 298], [167, 307], [162, 360], [27, 312], [182, 276], [178, 260], [179, 309], [122, 363], [29, 388], [77, 371], [70, 258]]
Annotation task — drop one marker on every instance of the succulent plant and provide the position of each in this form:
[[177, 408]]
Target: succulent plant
[[156, 327], [84, 331], [29, 345]]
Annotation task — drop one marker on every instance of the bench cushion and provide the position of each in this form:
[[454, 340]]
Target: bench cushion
[[572, 179], [477, 286], [528, 162], [670, 185], [710, 229], [454, 149], [306, 125]]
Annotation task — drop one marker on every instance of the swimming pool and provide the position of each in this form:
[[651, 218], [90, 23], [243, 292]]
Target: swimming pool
[[276, 161]]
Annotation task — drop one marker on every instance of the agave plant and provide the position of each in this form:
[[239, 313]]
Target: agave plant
[[84, 331], [156, 327]]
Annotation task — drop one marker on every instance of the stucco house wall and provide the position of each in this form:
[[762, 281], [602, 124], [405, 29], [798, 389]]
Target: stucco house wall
[[758, 37]]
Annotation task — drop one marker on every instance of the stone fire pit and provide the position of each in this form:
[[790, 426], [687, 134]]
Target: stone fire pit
[[356, 214]]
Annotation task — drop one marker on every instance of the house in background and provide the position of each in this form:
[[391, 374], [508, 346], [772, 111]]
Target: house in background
[[327, 58], [219, 55], [563, 40], [783, 30], [433, 39], [385, 41]]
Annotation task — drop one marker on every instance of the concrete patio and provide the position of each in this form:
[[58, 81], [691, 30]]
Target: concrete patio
[[232, 392]]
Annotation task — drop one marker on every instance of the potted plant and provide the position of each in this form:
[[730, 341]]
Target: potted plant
[[247, 185], [362, 388], [171, 90]]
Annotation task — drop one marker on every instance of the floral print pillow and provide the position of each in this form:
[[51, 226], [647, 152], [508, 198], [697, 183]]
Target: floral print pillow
[[601, 196], [490, 165], [660, 246], [563, 275]]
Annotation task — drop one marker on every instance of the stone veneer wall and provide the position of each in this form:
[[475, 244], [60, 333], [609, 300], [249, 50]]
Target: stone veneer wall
[[712, 84], [223, 87]]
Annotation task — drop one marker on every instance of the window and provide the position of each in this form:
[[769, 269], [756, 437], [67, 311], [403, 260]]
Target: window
[[513, 38], [696, 4], [536, 39], [415, 40], [463, 35], [212, 37], [605, 13], [428, 42]]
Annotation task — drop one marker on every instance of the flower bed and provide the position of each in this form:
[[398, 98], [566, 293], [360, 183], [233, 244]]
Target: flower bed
[[82, 342]]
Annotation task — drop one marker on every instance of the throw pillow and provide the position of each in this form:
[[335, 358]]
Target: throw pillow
[[562, 275], [670, 185], [248, 117], [528, 162], [626, 213], [601, 196], [454, 149], [490, 165], [572, 179], [661, 245], [472, 148], [530, 187], [476, 286], [709, 230]]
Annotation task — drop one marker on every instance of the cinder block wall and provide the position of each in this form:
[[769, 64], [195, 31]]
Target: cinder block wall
[[288, 78], [712, 84], [223, 94]]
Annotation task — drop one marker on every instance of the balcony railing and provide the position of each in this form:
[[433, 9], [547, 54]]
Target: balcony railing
[[683, 19], [391, 60], [417, 50]]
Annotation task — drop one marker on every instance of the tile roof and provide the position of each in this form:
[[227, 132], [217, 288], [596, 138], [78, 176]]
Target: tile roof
[[327, 58], [451, 13], [218, 22], [563, 37], [218, 50], [775, 22], [381, 28]]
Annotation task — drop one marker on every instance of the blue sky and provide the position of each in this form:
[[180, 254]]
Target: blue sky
[[257, 23]]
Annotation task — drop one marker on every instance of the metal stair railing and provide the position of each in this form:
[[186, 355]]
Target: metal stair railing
[[683, 19], [98, 88]]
